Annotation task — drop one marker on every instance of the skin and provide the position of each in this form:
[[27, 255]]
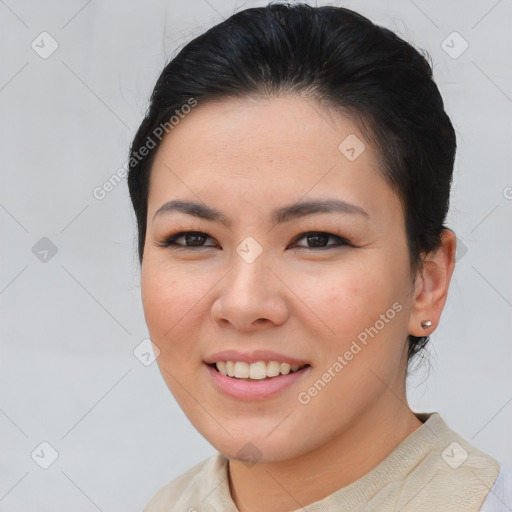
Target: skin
[[245, 158]]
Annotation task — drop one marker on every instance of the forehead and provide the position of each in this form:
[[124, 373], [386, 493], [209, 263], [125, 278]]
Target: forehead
[[267, 150]]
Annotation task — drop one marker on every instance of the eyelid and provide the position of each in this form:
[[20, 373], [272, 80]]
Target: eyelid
[[168, 241]]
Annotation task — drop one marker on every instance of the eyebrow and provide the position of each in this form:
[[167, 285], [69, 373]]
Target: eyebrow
[[278, 216]]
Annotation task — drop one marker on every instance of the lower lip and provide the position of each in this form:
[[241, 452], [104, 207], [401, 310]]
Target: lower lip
[[245, 389]]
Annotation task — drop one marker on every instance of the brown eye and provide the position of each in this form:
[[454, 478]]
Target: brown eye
[[319, 240], [189, 239]]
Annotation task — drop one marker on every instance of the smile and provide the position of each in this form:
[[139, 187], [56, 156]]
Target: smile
[[255, 381], [255, 371]]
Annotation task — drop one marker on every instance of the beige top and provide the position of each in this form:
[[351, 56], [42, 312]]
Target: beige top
[[433, 469]]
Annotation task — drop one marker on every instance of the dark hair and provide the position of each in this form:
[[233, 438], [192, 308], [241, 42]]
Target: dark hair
[[340, 58]]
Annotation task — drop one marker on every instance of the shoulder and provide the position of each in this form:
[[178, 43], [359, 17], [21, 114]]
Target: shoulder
[[499, 498], [180, 491], [459, 476]]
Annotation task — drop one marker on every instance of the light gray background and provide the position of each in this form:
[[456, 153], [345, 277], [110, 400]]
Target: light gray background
[[69, 325]]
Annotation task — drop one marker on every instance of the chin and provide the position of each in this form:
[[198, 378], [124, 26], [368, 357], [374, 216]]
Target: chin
[[254, 447]]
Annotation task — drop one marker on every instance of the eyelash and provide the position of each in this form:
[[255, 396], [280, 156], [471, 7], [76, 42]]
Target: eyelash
[[170, 242]]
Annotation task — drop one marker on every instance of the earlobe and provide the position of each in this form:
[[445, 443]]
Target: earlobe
[[431, 287]]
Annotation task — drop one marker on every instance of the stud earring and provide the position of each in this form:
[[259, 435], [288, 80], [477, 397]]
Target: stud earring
[[426, 324]]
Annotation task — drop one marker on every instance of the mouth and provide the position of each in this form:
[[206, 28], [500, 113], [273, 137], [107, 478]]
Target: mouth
[[256, 375], [257, 371], [255, 381]]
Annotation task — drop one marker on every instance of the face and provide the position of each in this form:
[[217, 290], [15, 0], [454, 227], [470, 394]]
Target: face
[[266, 284]]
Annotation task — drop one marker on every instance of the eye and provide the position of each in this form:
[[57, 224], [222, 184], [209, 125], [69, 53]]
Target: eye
[[191, 238], [319, 240]]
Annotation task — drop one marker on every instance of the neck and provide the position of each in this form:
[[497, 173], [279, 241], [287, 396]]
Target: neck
[[295, 483]]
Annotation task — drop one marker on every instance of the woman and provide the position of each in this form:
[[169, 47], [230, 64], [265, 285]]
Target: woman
[[291, 180]]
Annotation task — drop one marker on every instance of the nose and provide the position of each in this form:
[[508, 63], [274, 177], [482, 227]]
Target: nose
[[251, 296]]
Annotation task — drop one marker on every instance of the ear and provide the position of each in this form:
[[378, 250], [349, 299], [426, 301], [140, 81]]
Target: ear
[[431, 286]]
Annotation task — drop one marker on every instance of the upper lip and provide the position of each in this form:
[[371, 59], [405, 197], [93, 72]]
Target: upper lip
[[253, 357]]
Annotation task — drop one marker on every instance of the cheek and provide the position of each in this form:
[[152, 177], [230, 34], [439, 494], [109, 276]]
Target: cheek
[[171, 305], [158, 299], [170, 301], [361, 305], [344, 298]]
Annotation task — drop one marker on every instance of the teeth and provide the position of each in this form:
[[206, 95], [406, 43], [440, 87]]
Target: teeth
[[285, 368], [255, 371], [241, 370], [221, 366], [273, 369]]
